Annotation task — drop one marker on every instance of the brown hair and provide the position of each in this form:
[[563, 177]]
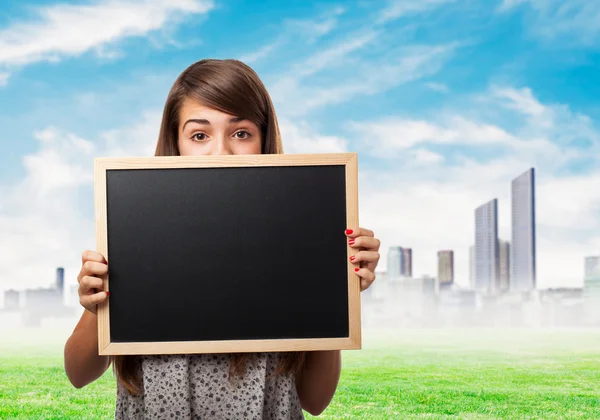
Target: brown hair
[[232, 87]]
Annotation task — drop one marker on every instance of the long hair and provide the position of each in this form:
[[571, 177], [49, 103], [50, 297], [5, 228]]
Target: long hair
[[232, 87]]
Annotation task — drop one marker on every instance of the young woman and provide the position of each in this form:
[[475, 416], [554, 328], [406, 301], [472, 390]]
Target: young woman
[[215, 107]]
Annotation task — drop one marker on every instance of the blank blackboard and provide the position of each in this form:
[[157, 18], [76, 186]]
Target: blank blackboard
[[211, 254]]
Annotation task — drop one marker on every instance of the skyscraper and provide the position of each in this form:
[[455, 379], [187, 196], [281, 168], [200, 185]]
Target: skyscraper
[[486, 247], [399, 262], [445, 268], [406, 262], [393, 266], [60, 279], [523, 255], [504, 258]]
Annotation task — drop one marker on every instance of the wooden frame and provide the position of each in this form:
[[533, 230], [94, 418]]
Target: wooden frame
[[349, 160]]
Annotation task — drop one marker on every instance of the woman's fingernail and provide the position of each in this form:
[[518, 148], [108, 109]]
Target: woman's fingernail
[[107, 293], [352, 258], [349, 231], [351, 242], [356, 269]]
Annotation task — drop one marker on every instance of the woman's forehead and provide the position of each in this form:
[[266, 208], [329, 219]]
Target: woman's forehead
[[191, 109]]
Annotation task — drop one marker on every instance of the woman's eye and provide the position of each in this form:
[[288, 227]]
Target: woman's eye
[[242, 134], [199, 136]]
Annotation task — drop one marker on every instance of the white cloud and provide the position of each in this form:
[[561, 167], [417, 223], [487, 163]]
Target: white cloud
[[313, 29], [263, 52], [567, 128], [344, 67], [296, 97], [333, 55], [573, 200], [299, 137], [521, 100], [309, 30], [399, 8], [560, 22], [427, 156], [438, 87], [388, 138], [64, 30], [509, 4]]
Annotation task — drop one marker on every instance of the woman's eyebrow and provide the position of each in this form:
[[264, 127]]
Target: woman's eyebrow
[[206, 122]]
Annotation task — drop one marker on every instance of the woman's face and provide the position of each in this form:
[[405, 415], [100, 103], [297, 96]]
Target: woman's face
[[206, 131]]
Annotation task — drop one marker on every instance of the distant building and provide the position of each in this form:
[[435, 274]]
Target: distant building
[[591, 267], [430, 286], [591, 289], [406, 262], [11, 300], [43, 299], [399, 262], [486, 247], [504, 261], [60, 279], [472, 267], [445, 268], [562, 307], [393, 266], [458, 298], [523, 257]]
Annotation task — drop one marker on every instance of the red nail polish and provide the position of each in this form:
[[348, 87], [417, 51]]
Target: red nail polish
[[351, 242], [352, 258], [107, 293], [349, 231], [356, 269]]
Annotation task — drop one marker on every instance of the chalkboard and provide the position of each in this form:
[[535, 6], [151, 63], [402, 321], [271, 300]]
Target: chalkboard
[[215, 254]]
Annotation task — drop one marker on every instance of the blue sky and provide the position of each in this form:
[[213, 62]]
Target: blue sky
[[445, 102]]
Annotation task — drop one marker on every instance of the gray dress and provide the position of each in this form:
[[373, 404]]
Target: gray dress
[[197, 387]]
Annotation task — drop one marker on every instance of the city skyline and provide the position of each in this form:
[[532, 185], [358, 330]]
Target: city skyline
[[497, 272], [591, 265]]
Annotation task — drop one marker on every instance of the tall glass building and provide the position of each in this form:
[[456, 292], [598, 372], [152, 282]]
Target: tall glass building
[[486, 247], [523, 252]]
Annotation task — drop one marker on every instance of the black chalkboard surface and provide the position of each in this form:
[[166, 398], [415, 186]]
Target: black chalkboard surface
[[227, 253]]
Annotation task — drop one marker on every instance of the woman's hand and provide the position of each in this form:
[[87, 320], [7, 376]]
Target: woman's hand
[[367, 256], [90, 287]]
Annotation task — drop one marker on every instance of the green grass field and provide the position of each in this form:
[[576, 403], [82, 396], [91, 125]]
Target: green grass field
[[459, 374]]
